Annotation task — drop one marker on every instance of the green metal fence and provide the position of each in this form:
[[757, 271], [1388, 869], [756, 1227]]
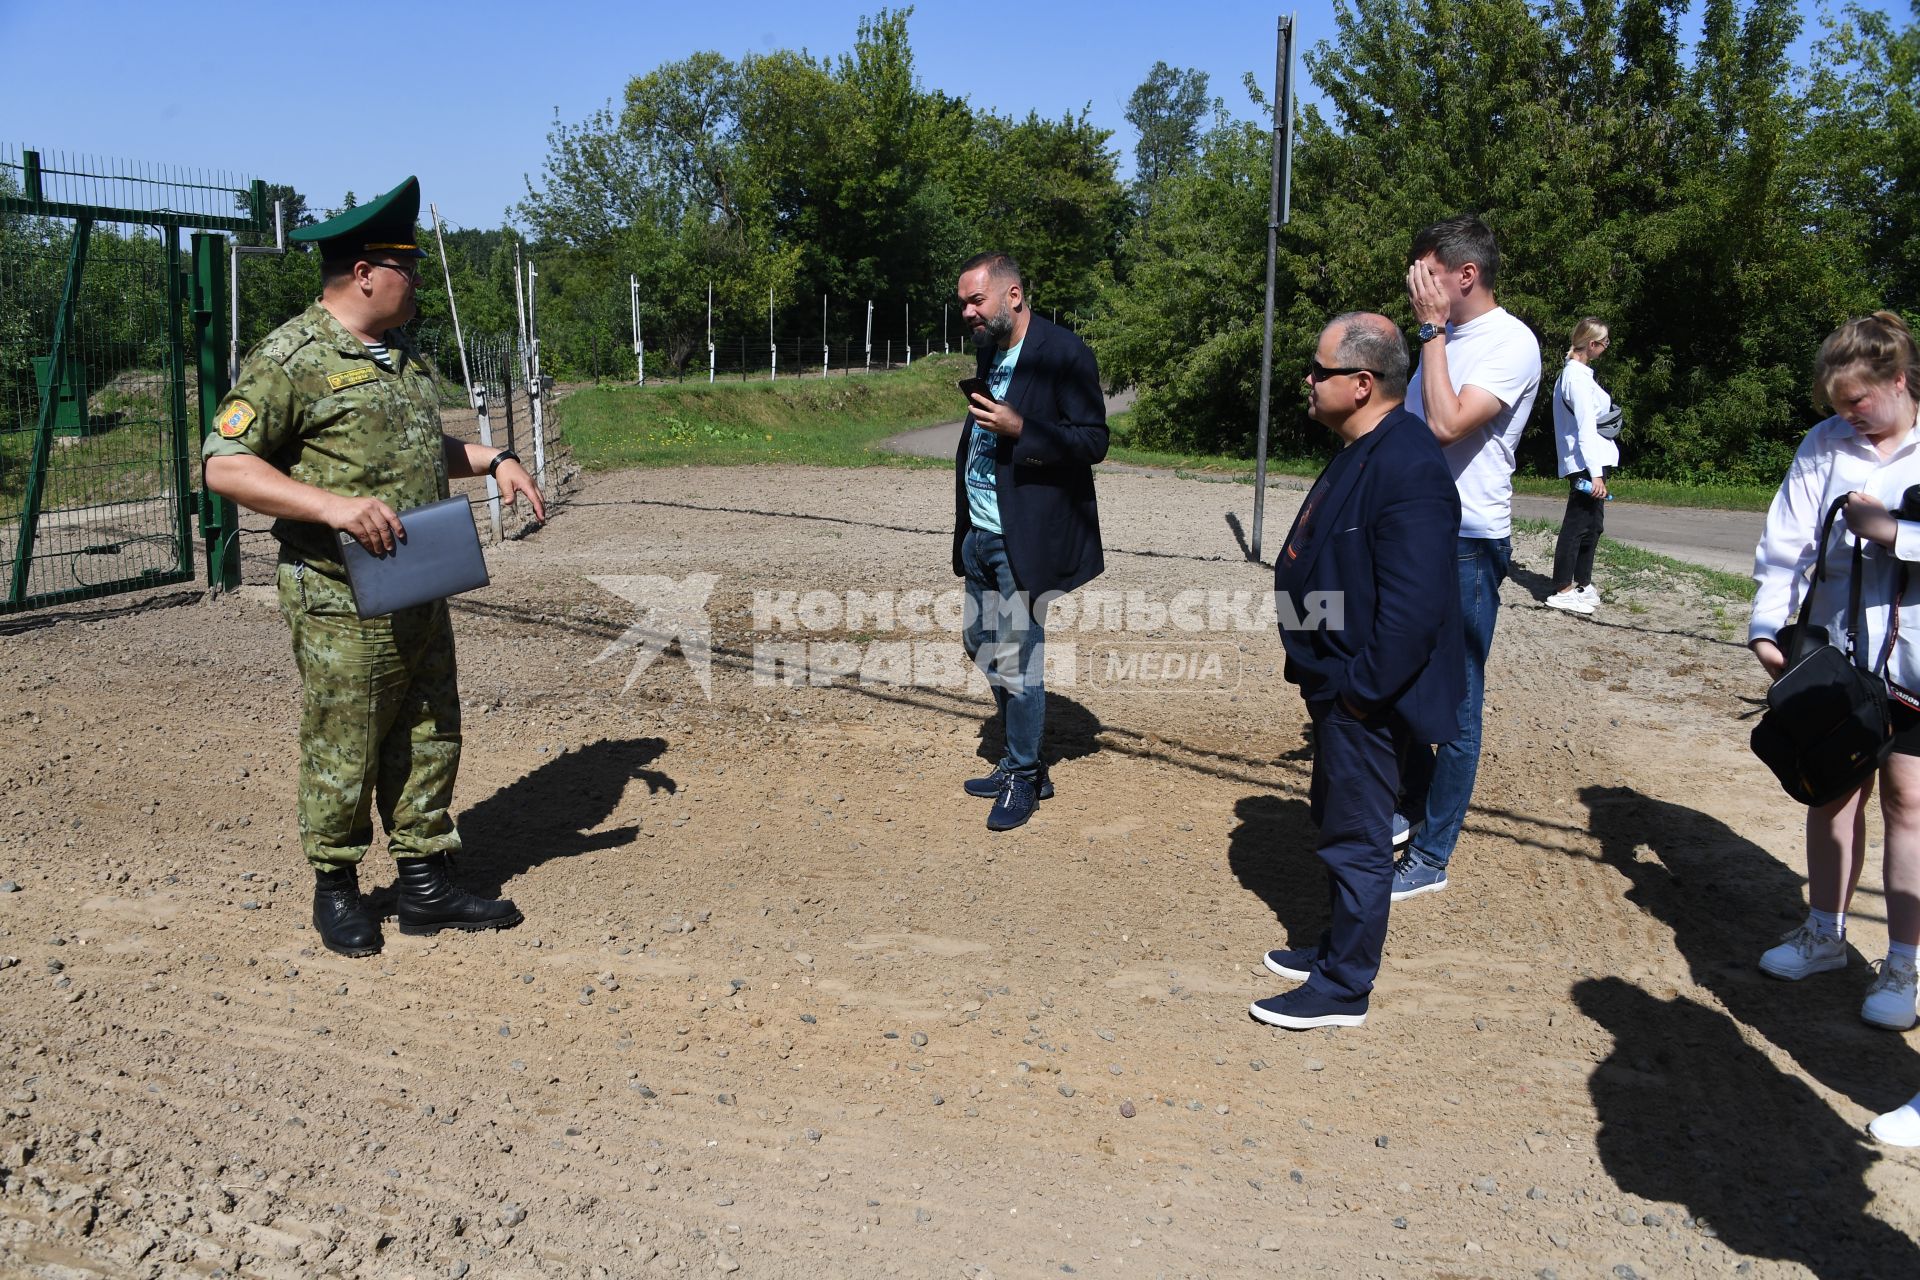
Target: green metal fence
[[112, 356]]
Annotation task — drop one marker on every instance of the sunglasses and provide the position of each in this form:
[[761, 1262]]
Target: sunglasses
[[1317, 372], [410, 270]]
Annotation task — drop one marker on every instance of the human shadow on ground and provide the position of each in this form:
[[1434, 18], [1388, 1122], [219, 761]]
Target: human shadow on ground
[[1071, 732], [1692, 1114], [550, 812], [1727, 900], [1271, 853], [1534, 583]]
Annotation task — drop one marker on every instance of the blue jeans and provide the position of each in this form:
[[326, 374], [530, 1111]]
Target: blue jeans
[[1442, 795], [1006, 637]]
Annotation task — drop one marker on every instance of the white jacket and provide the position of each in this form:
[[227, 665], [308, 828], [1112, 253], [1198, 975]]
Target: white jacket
[[1832, 461], [1578, 403]]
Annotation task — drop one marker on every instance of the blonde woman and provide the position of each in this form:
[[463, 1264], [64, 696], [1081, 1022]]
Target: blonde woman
[[1585, 455], [1868, 453]]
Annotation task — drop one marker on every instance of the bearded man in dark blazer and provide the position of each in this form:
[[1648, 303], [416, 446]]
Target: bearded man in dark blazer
[[1026, 527]]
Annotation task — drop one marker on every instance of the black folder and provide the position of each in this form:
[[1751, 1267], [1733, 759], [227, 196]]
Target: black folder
[[440, 557]]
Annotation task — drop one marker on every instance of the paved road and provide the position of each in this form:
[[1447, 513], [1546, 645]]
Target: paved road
[[1717, 539]]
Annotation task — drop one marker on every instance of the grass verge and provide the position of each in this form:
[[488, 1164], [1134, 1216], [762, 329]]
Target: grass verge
[[840, 422], [821, 422], [1655, 493], [1631, 567], [1662, 493]]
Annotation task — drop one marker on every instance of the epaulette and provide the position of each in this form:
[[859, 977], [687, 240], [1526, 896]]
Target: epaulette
[[280, 345]]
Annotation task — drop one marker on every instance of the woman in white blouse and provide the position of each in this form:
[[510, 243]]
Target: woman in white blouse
[[1585, 454], [1868, 452]]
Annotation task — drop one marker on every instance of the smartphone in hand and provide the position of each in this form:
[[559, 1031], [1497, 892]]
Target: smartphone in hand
[[971, 387]]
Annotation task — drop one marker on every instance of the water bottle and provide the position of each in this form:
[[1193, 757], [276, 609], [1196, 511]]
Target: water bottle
[[1585, 486]]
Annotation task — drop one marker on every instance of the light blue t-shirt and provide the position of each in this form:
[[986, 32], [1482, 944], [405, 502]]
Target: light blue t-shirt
[[983, 499]]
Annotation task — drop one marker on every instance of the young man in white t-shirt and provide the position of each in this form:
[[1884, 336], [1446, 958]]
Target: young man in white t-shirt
[[1479, 372]]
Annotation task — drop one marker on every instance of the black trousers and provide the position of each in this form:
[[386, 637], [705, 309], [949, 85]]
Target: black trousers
[[1580, 530]]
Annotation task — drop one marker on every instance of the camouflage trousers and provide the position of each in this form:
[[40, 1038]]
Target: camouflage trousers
[[379, 722]]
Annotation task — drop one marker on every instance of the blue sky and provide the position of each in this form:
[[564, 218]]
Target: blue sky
[[464, 94]]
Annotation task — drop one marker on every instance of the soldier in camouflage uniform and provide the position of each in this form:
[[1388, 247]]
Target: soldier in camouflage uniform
[[334, 425]]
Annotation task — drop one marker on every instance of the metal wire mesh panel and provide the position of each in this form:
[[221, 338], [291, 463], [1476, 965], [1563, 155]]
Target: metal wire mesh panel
[[499, 368], [106, 481], [95, 437]]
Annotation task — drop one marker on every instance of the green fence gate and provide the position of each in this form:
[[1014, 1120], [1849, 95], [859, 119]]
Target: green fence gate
[[113, 354]]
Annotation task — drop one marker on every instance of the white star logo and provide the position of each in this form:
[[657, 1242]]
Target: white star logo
[[669, 611]]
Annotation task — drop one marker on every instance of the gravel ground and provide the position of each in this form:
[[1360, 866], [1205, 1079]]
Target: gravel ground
[[783, 1007]]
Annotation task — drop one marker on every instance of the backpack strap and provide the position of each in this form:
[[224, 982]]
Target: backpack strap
[[1801, 642]]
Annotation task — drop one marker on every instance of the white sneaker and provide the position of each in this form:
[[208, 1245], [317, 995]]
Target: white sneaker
[[1898, 1128], [1592, 593], [1803, 952], [1890, 1000], [1569, 602]]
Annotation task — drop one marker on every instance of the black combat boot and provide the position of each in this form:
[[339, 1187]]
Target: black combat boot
[[430, 902], [340, 917]]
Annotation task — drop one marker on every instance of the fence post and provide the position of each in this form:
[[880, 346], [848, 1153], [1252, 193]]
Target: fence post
[[536, 387], [219, 518], [180, 439], [476, 398], [506, 388]]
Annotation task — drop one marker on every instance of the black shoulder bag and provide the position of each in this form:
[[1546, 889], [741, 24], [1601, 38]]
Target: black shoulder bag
[[1829, 721]]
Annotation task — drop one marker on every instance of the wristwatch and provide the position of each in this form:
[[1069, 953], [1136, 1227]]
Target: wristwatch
[[503, 456], [1428, 332]]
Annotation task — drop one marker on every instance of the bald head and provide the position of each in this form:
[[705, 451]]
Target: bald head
[[1359, 373], [1368, 340]]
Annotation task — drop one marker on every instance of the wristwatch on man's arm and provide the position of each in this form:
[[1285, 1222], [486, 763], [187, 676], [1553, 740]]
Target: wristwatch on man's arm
[[505, 455]]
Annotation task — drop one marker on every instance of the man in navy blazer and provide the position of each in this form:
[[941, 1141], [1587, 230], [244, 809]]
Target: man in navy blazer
[[1370, 620], [1026, 527]]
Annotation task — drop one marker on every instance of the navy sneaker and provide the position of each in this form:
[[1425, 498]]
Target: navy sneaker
[[988, 788], [1402, 830], [1412, 877], [1015, 805], [1295, 962], [1304, 1008]]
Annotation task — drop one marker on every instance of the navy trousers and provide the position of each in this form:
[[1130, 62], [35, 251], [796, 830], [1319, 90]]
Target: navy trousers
[[1356, 775]]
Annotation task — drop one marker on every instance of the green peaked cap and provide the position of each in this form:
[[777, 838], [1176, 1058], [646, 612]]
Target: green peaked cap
[[385, 225]]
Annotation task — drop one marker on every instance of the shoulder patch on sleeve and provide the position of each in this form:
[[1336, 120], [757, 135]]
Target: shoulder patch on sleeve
[[352, 377], [235, 421]]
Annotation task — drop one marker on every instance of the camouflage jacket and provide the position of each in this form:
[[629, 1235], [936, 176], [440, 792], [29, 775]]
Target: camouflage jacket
[[314, 403]]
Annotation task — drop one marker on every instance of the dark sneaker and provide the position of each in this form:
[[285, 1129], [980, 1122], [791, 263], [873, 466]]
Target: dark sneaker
[[1295, 962], [1304, 1008], [1412, 877], [1016, 803], [1402, 830], [988, 788]]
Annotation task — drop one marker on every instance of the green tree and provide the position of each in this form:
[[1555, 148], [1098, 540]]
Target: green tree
[[275, 287], [1167, 109], [1688, 196], [842, 177]]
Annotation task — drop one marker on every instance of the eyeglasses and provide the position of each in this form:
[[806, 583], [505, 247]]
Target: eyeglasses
[[410, 270], [1317, 372]]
